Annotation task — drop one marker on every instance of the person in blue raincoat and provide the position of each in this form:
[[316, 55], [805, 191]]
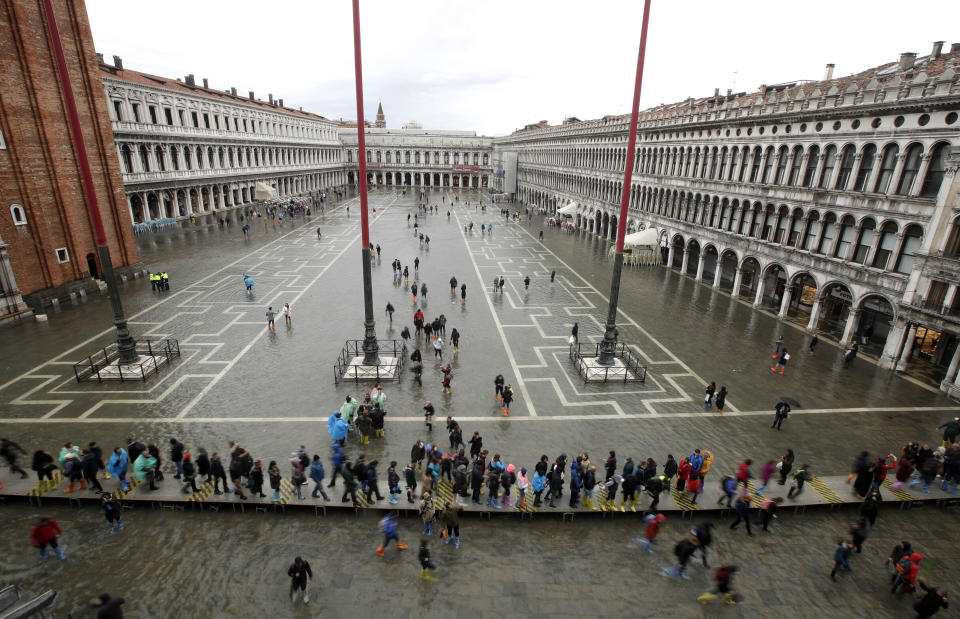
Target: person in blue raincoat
[[337, 428], [248, 282], [117, 467]]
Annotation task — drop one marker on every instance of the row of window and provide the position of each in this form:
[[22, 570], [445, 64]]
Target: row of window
[[414, 157], [160, 158], [825, 233], [164, 115], [870, 169]]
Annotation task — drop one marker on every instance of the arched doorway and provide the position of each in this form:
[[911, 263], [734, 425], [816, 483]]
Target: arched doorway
[[835, 301], [693, 251], [606, 225], [710, 261], [136, 205], [774, 285], [802, 296], [598, 220], [728, 269], [876, 319], [749, 278], [678, 250], [613, 228]]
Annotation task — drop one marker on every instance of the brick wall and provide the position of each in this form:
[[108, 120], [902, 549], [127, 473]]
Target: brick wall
[[38, 169]]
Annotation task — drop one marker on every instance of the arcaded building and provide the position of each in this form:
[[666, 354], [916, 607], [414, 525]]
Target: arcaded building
[[831, 203], [418, 157], [187, 149], [47, 246]]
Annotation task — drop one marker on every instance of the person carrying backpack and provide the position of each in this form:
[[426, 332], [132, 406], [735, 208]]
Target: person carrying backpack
[[800, 477]]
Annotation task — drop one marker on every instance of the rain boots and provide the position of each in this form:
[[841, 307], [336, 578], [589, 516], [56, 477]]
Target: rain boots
[[70, 487], [60, 554], [380, 550], [401, 545], [456, 543], [427, 574], [83, 484]]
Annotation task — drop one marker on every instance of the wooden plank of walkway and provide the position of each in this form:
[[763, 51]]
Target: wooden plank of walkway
[[822, 491]]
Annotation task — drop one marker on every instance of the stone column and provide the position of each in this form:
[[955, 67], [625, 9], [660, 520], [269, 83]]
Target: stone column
[[907, 349], [737, 281], [821, 164], [917, 184], [761, 284], [670, 253], [785, 302], [717, 272], [701, 260], [685, 261], [888, 359], [952, 376], [849, 330], [189, 202], [814, 314], [897, 173]]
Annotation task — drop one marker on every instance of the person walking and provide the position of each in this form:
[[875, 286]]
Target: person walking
[[721, 400], [723, 577], [287, 314], [255, 481], [300, 575], [799, 479], [390, 309], [317, 474], [117, 466], [651, 528], [9, 450], [90, 465], [426, 566], [273, 472], [728, 485], [841, 558], [858, 533], [539, 485], [111, 511], [189, 474], [777, 346], [574, 333], [781, 412], [463, 294], [553, 275], [349, 484], [390, 528], [438, 348], [453, 285], [428, 413], [451, 523], [219, 474], [423, 291], [176, 456], [455, 340], [785, 466], [935, 599], [708, 400], [427, 512], [850, 354], [526, 283], [371, 482], [766, 472], [506, 398], [682, 551], [44, 533], [248, 283], [781, 363], [768, 511]]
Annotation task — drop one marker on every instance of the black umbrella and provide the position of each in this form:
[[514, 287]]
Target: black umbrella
[[790, 402]]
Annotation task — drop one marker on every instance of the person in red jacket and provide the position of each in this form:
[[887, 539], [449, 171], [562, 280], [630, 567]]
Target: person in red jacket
[[743, 473], [43, 533], [907, 570], [683, 474], [653, 522]]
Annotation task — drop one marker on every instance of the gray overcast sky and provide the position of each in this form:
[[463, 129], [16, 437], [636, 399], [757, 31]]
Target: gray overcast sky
[[495, 65]]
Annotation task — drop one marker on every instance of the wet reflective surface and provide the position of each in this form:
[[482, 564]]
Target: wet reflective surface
[[272, 391]]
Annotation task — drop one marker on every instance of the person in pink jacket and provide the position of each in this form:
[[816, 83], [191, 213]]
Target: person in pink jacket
[[522, 485]]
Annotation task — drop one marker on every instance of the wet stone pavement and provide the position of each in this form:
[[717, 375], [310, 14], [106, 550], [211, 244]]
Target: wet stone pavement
[[273, 390]]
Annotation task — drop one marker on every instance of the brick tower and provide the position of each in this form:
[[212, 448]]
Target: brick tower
[[44, 221], [381, 119]]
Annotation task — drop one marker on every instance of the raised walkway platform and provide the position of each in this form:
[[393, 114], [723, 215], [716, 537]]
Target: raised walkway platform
[[823, 492]]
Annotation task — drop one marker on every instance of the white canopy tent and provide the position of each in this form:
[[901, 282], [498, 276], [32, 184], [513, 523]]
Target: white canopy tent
[[642, 248], [264, 192], [644, 239], [570, 209]]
